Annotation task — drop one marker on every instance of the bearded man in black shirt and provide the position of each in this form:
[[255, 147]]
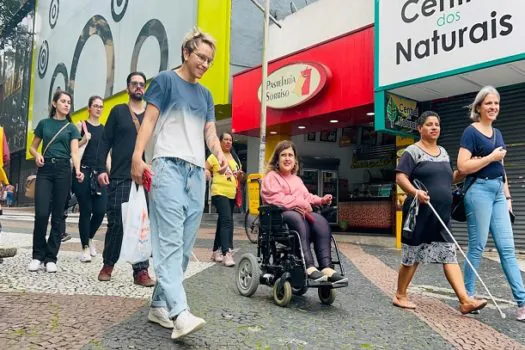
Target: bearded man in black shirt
[[120, 134]]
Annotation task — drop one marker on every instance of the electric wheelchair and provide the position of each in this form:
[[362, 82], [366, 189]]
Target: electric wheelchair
[[280, 263]]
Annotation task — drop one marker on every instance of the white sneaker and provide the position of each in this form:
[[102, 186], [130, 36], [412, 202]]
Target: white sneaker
[[51, 267], [35, 265], [185, 324], [85, 257], [92, 248], [160, 316]]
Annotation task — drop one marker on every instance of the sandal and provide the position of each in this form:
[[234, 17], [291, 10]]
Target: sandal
[[337, 278], [317, 276]]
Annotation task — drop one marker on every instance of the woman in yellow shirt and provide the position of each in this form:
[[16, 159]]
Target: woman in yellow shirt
[[223, 189]]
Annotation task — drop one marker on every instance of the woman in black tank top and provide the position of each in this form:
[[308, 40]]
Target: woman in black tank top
[[92, 199]]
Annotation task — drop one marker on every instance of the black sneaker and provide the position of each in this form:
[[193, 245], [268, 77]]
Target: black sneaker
[[65, 237], [317, 276], [337, 278]]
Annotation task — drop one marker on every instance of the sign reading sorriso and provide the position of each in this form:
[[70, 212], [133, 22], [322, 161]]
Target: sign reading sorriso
[[294, 84], [419, 38]]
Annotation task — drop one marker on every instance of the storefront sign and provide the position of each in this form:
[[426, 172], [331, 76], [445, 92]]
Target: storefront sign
[[419, 39], [401, 114], [294, 84]]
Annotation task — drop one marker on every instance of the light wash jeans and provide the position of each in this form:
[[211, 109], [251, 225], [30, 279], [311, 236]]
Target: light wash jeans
[[176, 206], [487, 210]]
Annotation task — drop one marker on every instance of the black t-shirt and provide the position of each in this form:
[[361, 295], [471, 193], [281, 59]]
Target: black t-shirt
[[119, 136], [480, 145], [90, 156]]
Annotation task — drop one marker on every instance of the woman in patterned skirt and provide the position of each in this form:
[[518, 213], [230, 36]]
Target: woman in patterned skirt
[[424, 239]]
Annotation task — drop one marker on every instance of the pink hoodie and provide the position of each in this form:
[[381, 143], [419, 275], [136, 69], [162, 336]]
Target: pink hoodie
[[287, 191]]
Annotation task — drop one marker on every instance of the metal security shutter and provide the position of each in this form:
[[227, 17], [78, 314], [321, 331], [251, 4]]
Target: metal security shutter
[[454, 119]]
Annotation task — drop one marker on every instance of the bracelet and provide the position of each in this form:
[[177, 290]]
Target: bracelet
[[509, 198]]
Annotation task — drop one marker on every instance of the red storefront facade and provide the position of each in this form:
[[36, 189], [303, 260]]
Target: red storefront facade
[[347, 95], [340, 96]]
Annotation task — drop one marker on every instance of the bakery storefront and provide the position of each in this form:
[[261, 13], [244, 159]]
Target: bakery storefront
[[438, 55], [322, 98]]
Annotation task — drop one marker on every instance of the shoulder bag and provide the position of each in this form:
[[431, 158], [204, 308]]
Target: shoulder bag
[[31, 179], [458, 203], [238, 191]]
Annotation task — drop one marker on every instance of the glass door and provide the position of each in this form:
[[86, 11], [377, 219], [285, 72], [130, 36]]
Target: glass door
[[311, 180]]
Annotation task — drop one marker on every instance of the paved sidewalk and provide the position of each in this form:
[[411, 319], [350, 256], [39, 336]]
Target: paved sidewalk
[[73, 310]]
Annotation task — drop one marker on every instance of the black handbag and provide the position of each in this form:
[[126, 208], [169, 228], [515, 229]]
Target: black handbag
[[94, 186], [458, 203]]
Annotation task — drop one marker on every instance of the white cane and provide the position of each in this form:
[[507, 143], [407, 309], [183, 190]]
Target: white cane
[[420, 186]]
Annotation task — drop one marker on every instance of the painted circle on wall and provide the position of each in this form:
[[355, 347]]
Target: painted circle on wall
[[53, 13], [118, 9], [96, 26], [62, 70], [43, 59], [153, 28]]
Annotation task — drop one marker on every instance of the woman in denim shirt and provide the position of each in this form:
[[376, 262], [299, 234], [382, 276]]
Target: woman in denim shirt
[[488, 201]]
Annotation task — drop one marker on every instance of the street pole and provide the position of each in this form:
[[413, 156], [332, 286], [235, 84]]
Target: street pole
[[262, 135]]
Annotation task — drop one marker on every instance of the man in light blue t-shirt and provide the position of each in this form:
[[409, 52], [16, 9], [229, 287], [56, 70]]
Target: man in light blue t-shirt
[[180, 116]]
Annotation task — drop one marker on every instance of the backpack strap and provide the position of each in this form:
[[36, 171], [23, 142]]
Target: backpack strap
[[135, 119]]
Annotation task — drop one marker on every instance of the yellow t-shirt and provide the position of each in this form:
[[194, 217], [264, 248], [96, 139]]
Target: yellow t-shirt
[[223, 184]]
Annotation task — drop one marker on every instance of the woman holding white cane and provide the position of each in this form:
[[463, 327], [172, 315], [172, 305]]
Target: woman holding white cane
[[488, 204], [423, 238]]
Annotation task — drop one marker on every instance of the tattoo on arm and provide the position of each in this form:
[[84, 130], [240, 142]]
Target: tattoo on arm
[[212, 141]]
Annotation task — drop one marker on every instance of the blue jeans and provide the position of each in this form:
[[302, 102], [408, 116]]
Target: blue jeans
[[176, 206], [487, 210]]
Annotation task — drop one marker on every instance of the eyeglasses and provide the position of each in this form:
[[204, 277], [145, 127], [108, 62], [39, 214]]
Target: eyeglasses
[[97, 106], [137, 84], [202, 58]]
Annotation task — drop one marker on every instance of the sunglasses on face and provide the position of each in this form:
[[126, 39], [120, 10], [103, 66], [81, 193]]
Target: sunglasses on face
[[137, 84]]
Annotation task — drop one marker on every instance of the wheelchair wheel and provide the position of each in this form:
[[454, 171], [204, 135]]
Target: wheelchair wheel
[[251, 226], [282, 296], [248, 275], [326, 295], [299, 291]]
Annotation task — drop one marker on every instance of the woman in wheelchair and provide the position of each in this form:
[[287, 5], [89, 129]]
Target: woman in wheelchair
[[282, 187]]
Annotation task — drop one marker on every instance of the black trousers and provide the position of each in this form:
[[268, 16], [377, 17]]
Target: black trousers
[[319, 232], [224, 230], [92, 207], [53, 183], [118, 193]]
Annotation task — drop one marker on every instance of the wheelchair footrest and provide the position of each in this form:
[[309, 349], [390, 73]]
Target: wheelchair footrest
[[314, 284]]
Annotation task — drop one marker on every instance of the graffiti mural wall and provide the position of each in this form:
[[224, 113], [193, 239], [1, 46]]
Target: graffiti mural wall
[[89, 47]]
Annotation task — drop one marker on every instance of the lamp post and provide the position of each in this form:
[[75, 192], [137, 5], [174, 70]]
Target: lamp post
[[262, 134]]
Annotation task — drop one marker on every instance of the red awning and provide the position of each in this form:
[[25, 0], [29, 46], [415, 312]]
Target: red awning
[[348, 93]]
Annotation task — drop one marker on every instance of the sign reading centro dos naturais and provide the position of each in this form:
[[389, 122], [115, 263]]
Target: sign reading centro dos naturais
[[401, 114], [421, 38], [294, 84]]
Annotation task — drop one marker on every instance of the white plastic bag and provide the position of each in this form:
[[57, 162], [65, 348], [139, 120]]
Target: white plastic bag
[[136, 243]]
